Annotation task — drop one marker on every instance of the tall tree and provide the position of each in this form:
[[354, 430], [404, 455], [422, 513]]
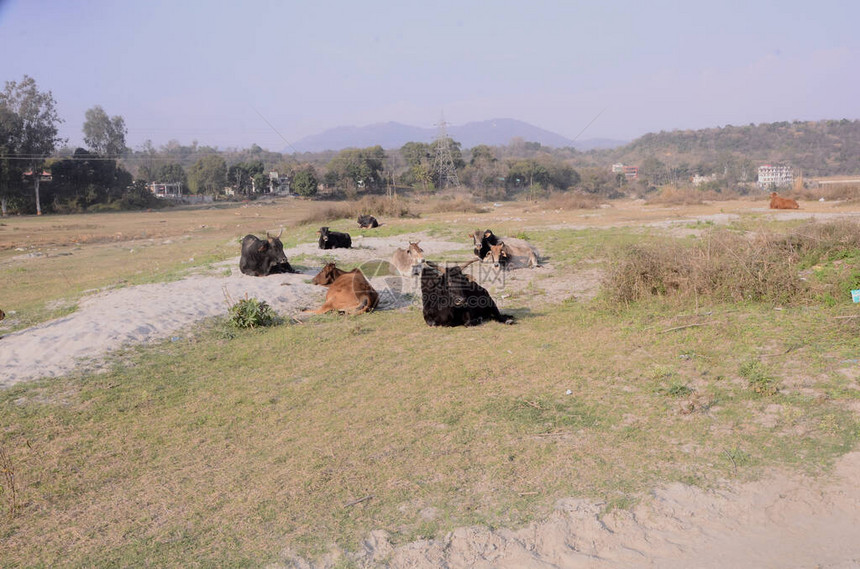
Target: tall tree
[[37, 115], [419, 158], [10, 170], [358, 168], [104, 135], [208, 175], [304, 182], [172, 173]]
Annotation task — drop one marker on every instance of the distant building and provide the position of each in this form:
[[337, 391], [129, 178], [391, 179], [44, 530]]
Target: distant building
[[775, 176], [630, 172], [45, 176], [278, 184], [698, 180], [166, 190]]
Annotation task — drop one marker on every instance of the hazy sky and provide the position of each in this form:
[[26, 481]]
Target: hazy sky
[[208, 70]]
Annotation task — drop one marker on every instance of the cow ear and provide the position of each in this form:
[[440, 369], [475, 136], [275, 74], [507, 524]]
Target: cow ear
[[263, 246]]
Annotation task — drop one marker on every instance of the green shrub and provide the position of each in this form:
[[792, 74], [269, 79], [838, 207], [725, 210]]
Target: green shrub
[[252, 313]]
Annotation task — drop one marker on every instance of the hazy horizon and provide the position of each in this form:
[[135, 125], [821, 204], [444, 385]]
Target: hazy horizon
[[267, 72]]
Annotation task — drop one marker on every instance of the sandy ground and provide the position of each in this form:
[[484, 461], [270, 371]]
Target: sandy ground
[[786, 521]]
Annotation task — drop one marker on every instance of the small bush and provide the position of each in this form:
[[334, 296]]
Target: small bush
[[252, 313]]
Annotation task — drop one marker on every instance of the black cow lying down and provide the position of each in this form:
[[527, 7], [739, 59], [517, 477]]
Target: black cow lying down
[[367, 222], [451, 298], [261, 258], [334, 239]]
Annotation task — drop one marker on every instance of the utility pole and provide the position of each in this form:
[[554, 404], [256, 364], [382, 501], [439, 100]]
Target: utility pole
[[444, 163]]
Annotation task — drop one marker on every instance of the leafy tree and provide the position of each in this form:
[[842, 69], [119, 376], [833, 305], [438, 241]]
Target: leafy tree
[[147, 156], [416, 153], [104, 135], [526, 173], [10, 170], [653, 171], [482, 154], [171, 173], [260, 182], [419, 161], [36, 138], [358, 168], [138, 196], [84, 180], [305, 182], [242, 176], [208, 175]]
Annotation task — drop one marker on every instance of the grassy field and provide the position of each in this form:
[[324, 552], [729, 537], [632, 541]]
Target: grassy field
[[226, 447]]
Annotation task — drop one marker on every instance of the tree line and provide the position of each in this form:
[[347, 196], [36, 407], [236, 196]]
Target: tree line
[[38, 172]]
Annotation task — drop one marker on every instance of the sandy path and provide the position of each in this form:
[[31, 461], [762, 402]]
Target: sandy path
[[786, 521]]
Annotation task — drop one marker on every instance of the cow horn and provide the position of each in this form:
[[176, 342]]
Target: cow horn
[[461, 266], [281, 232]]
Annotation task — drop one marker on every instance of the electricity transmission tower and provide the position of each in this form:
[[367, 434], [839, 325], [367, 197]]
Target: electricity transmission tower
[[444, 163]]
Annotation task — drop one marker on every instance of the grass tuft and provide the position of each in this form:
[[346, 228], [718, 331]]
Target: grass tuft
[[759, 378]]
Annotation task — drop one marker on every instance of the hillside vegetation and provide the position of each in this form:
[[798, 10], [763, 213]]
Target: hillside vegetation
[[822, 148]]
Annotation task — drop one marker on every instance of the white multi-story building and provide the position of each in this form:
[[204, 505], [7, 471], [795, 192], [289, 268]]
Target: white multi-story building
[[774, 176]]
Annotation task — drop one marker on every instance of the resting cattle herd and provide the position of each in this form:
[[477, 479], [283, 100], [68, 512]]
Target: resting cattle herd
[[261, 258], [367, 221], [451, 298], [334, 239], [777, 202], [348, 291]]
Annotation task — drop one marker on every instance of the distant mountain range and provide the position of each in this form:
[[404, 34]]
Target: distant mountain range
[[390, 135]]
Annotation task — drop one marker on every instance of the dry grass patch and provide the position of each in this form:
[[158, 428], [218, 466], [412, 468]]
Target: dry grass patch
[[675, 195], [457, 203], [571, 201], [727, 266], [378, 206]]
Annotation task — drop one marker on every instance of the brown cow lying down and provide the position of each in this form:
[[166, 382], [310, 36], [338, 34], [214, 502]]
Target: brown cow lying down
[[348, 291], [777, 202], [512, 254]]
